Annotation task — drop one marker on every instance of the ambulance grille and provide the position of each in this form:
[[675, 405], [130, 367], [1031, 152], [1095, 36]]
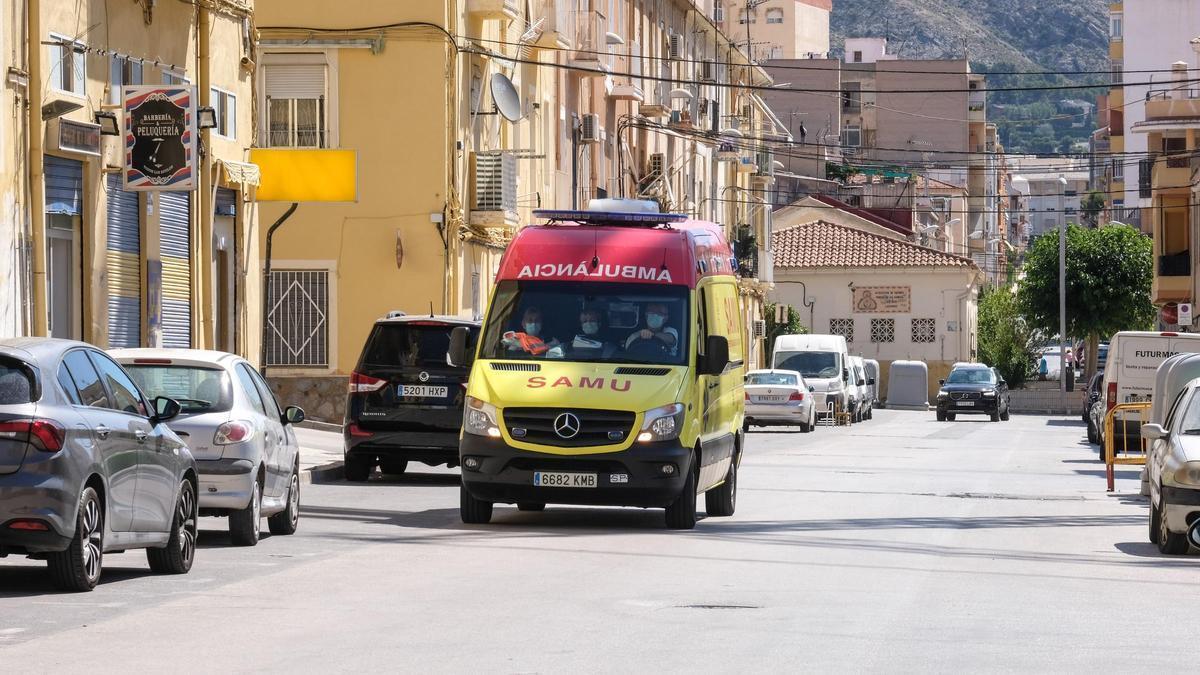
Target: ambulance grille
[[517, 367], [596, 427], [653, 372]]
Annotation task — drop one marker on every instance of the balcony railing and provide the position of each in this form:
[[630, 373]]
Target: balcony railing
[[1175, 265]]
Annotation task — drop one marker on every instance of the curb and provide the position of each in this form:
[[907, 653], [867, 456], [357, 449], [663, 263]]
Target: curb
[[318, 425], [325, 473]]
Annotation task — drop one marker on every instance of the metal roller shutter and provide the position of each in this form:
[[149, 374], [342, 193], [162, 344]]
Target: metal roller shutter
[[174, 220], [124, 257], [295, 81], [64, 185]]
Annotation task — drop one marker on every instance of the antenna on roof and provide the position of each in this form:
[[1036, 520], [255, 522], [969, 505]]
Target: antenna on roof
[[431, 309], [595, 250]]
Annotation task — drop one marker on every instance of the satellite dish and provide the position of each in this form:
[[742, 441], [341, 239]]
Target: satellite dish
[[506, 98]]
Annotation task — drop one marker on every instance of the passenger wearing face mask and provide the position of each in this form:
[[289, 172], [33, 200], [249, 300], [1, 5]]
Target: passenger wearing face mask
[[656, 330], [531, 326], [588, 341]]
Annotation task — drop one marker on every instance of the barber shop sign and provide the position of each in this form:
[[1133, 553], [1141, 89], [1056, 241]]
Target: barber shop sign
[[160, 138]]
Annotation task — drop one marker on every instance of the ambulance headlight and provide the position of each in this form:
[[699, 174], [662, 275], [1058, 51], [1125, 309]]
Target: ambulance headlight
[[662, 424], [479, 418]]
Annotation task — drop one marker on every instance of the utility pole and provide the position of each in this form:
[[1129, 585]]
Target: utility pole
[[1062, 306]]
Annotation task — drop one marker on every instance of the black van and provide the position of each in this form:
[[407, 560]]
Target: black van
[[405, 402]]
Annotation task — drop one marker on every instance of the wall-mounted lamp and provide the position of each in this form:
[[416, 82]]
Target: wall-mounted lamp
[[108, 123], [206, 118]]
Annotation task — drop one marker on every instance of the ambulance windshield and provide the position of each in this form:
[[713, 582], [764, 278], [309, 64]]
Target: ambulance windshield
[[593, 322]]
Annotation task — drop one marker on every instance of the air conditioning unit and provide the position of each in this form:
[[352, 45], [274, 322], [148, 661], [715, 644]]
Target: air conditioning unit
[[760, 328], [708, 71], [589, 129], [494, 176], [675, 47]]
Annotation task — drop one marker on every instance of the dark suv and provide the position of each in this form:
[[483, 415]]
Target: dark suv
[[405, 402], [973, 388]]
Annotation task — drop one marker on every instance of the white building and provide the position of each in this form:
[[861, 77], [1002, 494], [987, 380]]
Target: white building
[[1050, 197]]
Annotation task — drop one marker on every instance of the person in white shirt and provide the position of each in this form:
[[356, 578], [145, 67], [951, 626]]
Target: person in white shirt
[[656, 329]]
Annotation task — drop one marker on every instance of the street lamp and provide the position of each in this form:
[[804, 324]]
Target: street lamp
[[1062, 303]]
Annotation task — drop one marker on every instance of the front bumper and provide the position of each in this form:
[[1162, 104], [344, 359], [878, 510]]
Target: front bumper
[[506, 474], [428, 447], [1180, 506], [225, 483], [785, 413], [982, 406]]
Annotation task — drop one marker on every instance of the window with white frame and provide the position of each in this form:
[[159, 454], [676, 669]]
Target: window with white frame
[[1117, 26], [883, 330], [296, 110], [169, 77], [718, 11], [68, 62], [122, 70], [298, 320], [852, 137], [745, 17], [924, 331], [774, 15], [224, 104], [843, 327], [1118, 68]]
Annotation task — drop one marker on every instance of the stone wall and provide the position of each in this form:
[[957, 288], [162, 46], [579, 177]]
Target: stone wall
[[323, 398]]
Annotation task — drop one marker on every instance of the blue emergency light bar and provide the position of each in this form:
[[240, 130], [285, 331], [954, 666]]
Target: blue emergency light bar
[[582, 216]]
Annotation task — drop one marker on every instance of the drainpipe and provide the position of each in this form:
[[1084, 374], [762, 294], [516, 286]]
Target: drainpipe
[[37, 183], [202, 263]]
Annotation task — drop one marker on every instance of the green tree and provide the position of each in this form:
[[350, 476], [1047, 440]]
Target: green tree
[[1091, 207], [775, 329], [1109, 271], [1005, 341]]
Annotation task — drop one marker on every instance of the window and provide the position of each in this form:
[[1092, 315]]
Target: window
[[68, 61], [852, 97], [122, 71], [1118, 170], [774, 15], [843, 327], [173, 78], [1118, 68], [883, 330], [295, 106], [777, 379], [924, 331], [718, 12], [68, 386], [17, 382], [858, 56], [852, 137], [264, 392], [125, 395], [87, 380], [225, 105], [198, 389], [248, 386], [745, 17], [1116, 26], [297, 323]]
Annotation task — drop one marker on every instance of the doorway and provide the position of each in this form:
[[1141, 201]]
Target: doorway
[[64, 274]]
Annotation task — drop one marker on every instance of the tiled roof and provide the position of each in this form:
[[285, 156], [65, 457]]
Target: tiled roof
[[822, 244]]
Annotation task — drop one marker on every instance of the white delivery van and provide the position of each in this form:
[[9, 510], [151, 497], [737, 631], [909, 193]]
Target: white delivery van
[[860, 386], [1131, 368], [823, 361]]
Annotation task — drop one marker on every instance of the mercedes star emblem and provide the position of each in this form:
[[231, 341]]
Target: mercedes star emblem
[[424, 376], [566, 425]]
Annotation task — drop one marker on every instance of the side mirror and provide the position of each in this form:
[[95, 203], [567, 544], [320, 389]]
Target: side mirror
[[811, 389], [861, 382], [165, 409], [458, 355], [716, 355], [845, 374], [942, 382], [1153, 432], [1094, 396], [293, 415], [871, 381]]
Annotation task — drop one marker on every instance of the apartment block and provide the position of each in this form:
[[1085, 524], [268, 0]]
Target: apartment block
[[776, 29]]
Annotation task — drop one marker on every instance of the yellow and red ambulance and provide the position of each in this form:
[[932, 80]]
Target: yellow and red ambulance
[[609, 369]]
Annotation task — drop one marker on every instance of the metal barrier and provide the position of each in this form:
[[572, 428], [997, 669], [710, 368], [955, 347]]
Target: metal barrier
[[1130, 453]]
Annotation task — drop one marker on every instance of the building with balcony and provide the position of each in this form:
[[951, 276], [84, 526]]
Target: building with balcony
[[775, 29], [1171, 131]]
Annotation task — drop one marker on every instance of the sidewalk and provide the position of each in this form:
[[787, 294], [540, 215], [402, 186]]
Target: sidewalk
[[320, 452]]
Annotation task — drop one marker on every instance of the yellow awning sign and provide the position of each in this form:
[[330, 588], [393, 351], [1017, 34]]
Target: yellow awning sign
[[292, 175]]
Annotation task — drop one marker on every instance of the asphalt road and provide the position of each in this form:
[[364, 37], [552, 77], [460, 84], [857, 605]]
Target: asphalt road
[[900, 544]]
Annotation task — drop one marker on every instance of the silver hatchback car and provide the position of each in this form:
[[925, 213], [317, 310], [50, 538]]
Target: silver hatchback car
[[87, 465], [245, 448]]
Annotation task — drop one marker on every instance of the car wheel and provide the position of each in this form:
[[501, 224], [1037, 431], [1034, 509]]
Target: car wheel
[[950, 416], [394, 467], [681, 514], [531, 506], [78, 567], [244, 523], [1091, 431], [1155, 516], [722, 500], [746, 427], [941, 416], [473, 511], [1004, 415], [1170, 543], [287, 520], [176, 557], [358, 469]]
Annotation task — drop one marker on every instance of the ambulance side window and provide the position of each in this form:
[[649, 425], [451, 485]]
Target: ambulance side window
[[702, 317]]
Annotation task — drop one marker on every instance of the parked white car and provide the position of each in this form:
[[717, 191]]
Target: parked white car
[[245, 448], [1173, 468], [779, 397]]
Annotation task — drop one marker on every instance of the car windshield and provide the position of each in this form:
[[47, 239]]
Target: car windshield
[[593, 322], [414, 344], [1191, 418], [198, 389], [809, 364], [971, 376], [778, 379]]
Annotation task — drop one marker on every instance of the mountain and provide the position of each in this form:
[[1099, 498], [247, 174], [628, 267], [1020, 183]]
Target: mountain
[[1000, 35]]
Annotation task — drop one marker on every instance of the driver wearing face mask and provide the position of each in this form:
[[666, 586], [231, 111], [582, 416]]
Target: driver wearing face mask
[[656, 329]]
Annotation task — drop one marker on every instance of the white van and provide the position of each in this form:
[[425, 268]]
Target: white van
[[861, 386], [1131, 367], [823, 361]]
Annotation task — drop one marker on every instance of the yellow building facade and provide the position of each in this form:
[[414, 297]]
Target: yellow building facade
[[467, 115]]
